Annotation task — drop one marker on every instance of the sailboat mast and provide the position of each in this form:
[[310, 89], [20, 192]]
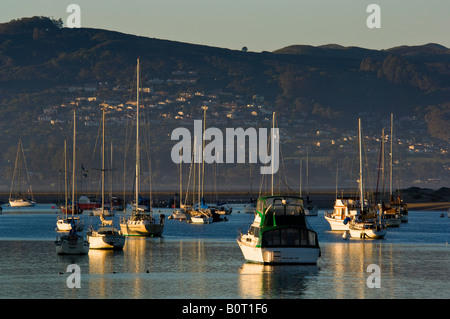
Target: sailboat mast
[[65, 175], [360, 168], [272, 146], [73, 162], [390, 166], [137, 136], [203, 148], [103, 161]]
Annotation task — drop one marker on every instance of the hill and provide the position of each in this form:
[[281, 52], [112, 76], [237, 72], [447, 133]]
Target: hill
[[323, 88]]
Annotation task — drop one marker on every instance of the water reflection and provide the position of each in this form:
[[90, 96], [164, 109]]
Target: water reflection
[[258, 281], [346, 269]]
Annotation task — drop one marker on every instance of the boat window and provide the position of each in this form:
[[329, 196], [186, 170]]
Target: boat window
[[289, 237], [254, 231]]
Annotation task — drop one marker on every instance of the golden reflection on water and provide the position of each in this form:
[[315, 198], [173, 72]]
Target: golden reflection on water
[[147, 263], [258, 281], [349, 263]]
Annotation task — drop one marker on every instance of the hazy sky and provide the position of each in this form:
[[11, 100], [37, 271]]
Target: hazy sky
[[261, 25]]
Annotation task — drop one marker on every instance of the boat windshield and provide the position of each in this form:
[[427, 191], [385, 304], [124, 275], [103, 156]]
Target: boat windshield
[[281, 205]]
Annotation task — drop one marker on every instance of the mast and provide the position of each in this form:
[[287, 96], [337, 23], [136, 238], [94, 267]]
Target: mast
[[272, 146], [65, 175], [73, 162], [301, 167], [103, 162], [360, 168], [181, 176], [203, 148], [390, 166], [137, 137]]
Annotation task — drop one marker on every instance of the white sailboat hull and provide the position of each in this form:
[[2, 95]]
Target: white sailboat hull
[[72, 245], [337, 224], [200, 220], [141, 228], [115, 242], [21, 203], [280, 255], [367, 233]]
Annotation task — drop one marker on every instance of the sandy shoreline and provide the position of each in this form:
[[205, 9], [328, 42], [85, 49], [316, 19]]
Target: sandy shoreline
[[429, 206]]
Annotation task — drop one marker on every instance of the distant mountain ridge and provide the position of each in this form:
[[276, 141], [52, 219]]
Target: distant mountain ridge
[[312, 88], [328, 81]]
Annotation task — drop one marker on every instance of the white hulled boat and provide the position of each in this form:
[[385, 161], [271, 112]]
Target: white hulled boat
[[343, 212], [370, 227], [106, 236], [366, 224], [20, 200], [66, 222], [280, 233], [71, 244], [140, 223]]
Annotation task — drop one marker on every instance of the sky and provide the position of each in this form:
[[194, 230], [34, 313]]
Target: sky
[[260, 25]]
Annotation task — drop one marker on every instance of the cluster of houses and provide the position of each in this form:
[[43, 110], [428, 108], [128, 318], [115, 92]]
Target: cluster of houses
[[177, 108]]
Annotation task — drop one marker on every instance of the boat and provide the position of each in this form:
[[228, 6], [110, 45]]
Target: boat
[[71, 244], [140, 223], [106, 236], [400, 206], [391, 216], [65, 224], [20, 200], [280, 233], [103, 211], [310, 208], [200, 219], [344, 211], [370, 229], [250, 208], [85, 203], [366, 224], [69, 219], [179, 214]]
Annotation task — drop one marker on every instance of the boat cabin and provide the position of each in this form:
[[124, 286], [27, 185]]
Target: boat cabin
[[283, 223]]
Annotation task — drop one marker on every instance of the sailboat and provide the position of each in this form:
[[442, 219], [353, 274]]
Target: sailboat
[[399, 205], [280, 233], [72, 243], [140, 223], [20, 200], [66, 222], [366, 224], [106, 236]]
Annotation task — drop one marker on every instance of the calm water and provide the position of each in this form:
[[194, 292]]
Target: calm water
[[204, 261]]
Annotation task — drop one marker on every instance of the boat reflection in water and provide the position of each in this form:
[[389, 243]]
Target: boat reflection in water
[[259, 281]]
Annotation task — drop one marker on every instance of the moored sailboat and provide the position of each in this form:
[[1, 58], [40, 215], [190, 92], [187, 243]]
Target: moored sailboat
[[141, 222], [20, 200], [67, 222], [367, 224], [106, 236], [344, 211]]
